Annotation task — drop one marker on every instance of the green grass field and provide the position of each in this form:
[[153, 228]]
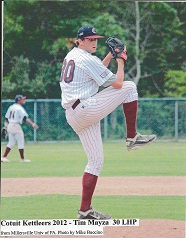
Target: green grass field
[[69, 159]]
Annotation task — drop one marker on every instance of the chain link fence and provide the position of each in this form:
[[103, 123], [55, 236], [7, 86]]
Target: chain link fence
[[165, 117]]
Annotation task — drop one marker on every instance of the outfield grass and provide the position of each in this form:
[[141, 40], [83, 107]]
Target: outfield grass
[[69, 159], [66, 206]]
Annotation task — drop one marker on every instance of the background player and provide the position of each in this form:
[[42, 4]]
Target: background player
[[82, 74], [14, 117]]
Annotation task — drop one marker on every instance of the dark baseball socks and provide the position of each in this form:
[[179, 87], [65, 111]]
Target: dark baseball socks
[[130, 111], [88, 183], [21, 152], [7, 150]]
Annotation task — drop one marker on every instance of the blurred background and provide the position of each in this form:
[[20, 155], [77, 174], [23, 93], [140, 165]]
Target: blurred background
[[37, 35]]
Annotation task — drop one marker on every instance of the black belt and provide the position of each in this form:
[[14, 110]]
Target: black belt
[[75, 104]]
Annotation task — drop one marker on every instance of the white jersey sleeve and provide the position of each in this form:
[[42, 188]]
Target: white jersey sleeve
[[16, 113], [96, 70], [81, 76]]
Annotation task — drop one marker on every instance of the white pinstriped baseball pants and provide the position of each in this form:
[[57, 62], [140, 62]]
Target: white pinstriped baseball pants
[[85, 120]]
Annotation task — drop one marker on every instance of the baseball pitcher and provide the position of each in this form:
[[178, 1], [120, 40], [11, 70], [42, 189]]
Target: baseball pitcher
[[81, 76]]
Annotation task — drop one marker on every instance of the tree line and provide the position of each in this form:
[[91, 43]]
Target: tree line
[[37, 35]]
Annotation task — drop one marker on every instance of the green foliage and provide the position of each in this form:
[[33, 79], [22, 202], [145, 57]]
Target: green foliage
[[32, 79], [36, 32], [175, 83]]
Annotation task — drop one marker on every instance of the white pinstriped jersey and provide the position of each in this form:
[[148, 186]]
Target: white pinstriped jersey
[[16, 113], [81, 76]]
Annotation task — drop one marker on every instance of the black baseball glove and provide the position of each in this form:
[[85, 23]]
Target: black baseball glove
[[116, 47], [4, 133]]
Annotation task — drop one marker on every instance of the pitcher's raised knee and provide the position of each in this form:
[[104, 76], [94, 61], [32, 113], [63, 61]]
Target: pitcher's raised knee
[[130, 85], [129, 91]]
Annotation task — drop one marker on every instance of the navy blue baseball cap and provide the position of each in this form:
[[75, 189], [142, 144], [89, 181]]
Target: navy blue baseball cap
[[19, 97], [88, 31]]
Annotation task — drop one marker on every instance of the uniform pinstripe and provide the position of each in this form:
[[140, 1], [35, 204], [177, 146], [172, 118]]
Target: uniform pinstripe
[[89, 73]]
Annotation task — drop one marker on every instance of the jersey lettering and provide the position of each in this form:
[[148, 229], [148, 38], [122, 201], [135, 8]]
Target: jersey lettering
[[67, 73]]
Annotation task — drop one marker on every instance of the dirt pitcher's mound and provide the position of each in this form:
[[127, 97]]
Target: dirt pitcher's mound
[[145, 185]]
